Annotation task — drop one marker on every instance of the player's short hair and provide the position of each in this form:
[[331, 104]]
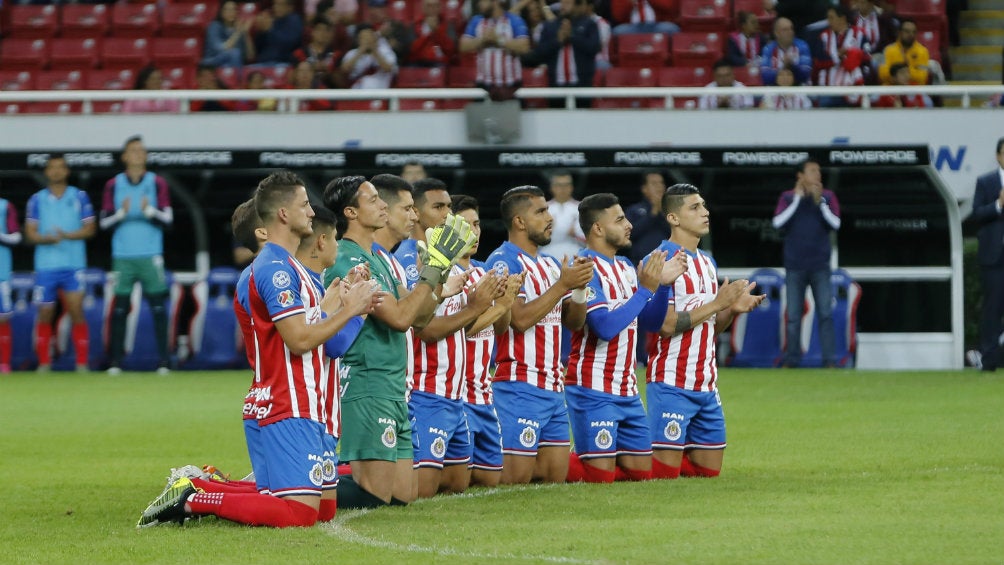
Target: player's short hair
[[515, 199], [53, 156], [800, 167], [274, 192], [903, 21], [390, 187], [132, 139], [593, 206], [341, 193], [842, 11], [425, 185], [720, 63], [243, 224], [323, 217], [461, 202], [647, 172], [743, 15], [559, 173], [1000, 145], [672, 199]]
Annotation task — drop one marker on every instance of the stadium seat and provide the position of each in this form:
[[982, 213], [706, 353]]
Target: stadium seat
[[93, 281], [452, 11], [167, 51], [54, 108], [535, 77], [361, 105], [140, 341], [468, 60], [461, 77], [641, 50], [756, 336], [402, 11], [59, 80], [692, 49], [22, 320], [846, 296], [32, 22], [765, 18], [275, 75], [24, 54], [930, 38], [125, 53], [750, 76], [84, 20], [420, 77], [110, 79], [187, 20], [704, 15], [74, 53], [684, 76], [229, 76], [107, 106], [178, 77], [215, 338], [630, 76], [17, 80], [135, 20], [10, 108], [423, 104]]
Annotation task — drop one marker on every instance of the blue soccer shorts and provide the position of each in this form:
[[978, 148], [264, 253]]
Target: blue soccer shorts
[[685, 419], [6, 303], [48, 283], [295, 464], [606, 425], [439, 431], [252, 436], [530, 418], [486, 436]]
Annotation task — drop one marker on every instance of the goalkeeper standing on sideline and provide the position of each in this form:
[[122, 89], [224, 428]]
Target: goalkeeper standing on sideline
[[376, 432]]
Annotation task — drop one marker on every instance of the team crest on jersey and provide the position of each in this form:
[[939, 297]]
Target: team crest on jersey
[[500, 268], [590, 294], [280, 279], [438, 448], [389, 437], [604, 439], [328, 470], [672, 431], [317, 474], [528, 437], [285, 298], [412, 272]]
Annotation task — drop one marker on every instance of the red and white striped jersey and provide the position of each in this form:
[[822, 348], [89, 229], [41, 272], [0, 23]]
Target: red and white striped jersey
[[642, 13], [687, 360], [439, 367], [533, 356], [496, 66], [409, 336], [597, 364], [750, 47], [477, 377], [566, 73], [786, 102], [288, 385]]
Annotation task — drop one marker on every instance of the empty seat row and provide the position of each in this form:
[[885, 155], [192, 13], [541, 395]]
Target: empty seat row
[[175, 77], [88, 53], [120, 20]]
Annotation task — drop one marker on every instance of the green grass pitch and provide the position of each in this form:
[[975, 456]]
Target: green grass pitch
[[822, 467]]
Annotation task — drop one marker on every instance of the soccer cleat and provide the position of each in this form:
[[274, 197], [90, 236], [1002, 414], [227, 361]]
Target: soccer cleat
[[211, 473], [114, 370], [249, 478], [184, 472], [169, 506], [163, 370], [975, 358]]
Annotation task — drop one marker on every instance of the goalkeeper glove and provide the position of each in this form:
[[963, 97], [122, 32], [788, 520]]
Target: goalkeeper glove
[[448, 243]]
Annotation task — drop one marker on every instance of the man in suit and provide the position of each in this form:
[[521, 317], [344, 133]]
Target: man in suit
[[987, 206], [568, 46]]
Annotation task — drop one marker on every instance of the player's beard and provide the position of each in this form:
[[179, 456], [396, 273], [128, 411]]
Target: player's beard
[[539, 238]]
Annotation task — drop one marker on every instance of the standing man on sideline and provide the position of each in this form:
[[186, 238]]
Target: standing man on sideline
[[529, 387], [608, 420], [805, 216], [58, 220], [684, 408], [567, 238], [137, 205], [649, 227], [988, 203], [10, 235]]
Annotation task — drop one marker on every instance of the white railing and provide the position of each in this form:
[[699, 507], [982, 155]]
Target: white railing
[[286, 97]]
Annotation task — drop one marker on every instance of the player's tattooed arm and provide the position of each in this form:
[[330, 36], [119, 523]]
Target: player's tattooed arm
[[682, 323]]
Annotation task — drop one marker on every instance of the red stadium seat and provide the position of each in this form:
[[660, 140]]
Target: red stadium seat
[[684, 76], [84, 20], [187, 20], [362, 105], [452, 11], [621, 76], [641, 50], [17, 80], [461, 77], [692, 49], [246, 10], [765, 18], [419, 105], [420, 77], [176, 51], [468, 60], [535, 78], [135, 20], [402, 11], [275, 75], [931, 38], [75, 53], [24, 54], [8, 108], [178, 77], [750, 76], [927, 13], [60, 80], [705, 15], [55, 107], [32, 22], [125, 52], [106, 106], [229, 76], [110, 79]]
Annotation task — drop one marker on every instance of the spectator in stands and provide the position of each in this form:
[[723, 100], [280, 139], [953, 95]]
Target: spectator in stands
[[317, 51], [256, 81], [988, 203], [343, 15], [901, 77], [535, 13], [228, 39], [786, 49], [372, 64], [786, 77], [413, 171], [568, 46], [841, 58], [435, 43], [724, 77], [303, 77], [397, 34], [150, 78], [808, 16], [278, 32], [603, 57], [206, 79], [649, 226], [906, 49], [805, 216], [499, 38], [644, 16], [566, 234], [878, 25], [746, 45]]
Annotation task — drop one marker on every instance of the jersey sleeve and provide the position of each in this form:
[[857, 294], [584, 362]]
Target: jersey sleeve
[[277, 284], [595, 296], [86, 208], [504, 263], [519, 29], [472, 26], [31, 210], [12, 224]]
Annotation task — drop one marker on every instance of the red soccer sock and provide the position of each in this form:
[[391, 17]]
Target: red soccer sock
[[329, 506], [662, 471], [81, 342], [596, 475], [575, 472], [690, 469], [632, 474], [4, 343], [235, 487], [344, 469], [254, 509], [43, 343]]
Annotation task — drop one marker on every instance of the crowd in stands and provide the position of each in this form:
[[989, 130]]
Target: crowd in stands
[[499, 45]]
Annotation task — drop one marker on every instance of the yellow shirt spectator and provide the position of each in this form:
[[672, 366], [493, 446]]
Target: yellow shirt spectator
[[906, 50]]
